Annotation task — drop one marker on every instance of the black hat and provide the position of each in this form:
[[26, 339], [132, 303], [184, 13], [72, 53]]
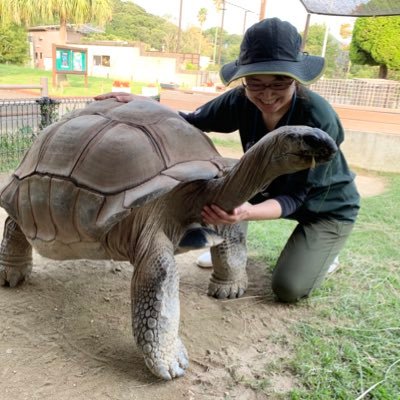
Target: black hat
[[272, 47]]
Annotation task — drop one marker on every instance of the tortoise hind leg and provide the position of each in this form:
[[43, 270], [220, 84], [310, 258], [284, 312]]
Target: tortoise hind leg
[[229, 277], [15, 255], [156, 308]]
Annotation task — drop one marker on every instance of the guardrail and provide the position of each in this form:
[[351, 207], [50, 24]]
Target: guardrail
[[43, 87]]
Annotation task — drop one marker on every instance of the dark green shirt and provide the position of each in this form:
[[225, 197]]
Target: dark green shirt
[[326, 191]]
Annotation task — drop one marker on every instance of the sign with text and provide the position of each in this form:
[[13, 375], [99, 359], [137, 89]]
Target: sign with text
[[69, 60]]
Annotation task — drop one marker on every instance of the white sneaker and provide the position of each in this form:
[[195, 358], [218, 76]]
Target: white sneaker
[[204, 260], [334, 266]]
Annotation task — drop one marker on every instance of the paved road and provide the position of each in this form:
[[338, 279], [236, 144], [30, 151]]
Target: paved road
[[18, 94]]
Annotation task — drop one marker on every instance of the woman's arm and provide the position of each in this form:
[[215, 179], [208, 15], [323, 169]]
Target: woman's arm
[[221, 114], [267, 210]]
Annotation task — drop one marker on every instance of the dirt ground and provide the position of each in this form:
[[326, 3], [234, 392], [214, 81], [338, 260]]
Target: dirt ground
[[66, 334]]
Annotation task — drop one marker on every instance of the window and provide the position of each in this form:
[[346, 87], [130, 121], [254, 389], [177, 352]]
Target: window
[[101, 60]]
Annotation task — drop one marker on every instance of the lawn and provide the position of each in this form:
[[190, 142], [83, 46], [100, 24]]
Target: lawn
[[350, 346], [16, 75]]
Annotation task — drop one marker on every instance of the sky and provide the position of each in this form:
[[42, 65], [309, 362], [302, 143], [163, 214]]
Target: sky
[[239, 14]]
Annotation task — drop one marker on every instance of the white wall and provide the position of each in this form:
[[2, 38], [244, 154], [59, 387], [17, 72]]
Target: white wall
[[374, 151], [127, 63], [154, 69]]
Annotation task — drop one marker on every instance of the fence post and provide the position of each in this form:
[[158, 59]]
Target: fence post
[[48, 111], [44, 83]]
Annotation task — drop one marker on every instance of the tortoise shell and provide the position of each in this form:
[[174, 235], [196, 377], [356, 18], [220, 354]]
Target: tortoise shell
[[86, 172]]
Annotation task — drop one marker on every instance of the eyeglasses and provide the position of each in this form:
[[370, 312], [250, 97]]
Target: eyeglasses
[[259, 87]]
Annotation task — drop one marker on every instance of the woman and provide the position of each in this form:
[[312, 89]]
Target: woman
[[324, 200]]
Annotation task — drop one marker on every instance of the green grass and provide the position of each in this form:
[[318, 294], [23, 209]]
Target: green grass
[[16, 75], [346, 339], [227, 144], [351, 341], [13, 146]]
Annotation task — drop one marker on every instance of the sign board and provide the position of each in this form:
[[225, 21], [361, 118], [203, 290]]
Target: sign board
[[69, 60]]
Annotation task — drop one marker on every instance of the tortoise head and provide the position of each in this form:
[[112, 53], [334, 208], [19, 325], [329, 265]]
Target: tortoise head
[[311, 145], [284, 151]]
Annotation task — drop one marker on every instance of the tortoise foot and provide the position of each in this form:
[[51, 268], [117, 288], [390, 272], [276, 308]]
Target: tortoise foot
[[15, 274], [227, 289], [167, 365], [15, 255]]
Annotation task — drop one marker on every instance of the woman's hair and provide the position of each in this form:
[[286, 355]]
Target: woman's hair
[[301, 91]]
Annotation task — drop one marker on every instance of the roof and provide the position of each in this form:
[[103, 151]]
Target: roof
[[353, 8], [83, 28]]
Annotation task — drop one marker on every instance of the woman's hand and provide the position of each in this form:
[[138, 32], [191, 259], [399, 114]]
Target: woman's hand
[[267, 210], [215, 215], [119, 96]]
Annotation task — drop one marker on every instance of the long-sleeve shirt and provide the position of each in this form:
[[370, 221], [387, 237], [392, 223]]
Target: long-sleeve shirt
[[326, 191]]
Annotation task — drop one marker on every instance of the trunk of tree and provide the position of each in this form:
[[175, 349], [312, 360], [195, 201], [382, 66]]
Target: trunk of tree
[[62, 79], [383, 71], [63, 31]]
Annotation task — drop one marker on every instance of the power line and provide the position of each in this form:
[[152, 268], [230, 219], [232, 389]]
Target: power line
[[244, 9]]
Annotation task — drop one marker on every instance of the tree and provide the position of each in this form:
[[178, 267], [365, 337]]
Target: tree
[[190, 39], [13, 45], [26, 12], [133, 23], [376, 41], [314, 44], [201, 17], [231, 48], [345, 31]]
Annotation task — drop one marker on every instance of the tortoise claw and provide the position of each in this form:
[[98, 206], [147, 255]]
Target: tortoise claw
[[14, 275], [167, 370], [227, 289]]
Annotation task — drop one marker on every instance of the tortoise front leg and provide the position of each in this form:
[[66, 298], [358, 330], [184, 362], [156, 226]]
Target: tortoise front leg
[[156, 311], [15, 255], [229, 277]]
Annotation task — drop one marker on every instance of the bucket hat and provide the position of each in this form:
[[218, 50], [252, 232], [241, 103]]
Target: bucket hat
[[273, 47]]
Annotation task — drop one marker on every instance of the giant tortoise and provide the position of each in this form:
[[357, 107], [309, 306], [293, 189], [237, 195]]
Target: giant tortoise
[[127, 181]]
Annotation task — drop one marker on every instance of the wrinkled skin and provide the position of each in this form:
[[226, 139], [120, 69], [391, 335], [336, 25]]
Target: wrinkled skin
[[149, 236]]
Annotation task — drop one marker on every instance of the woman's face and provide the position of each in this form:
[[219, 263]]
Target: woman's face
[[270, 93]]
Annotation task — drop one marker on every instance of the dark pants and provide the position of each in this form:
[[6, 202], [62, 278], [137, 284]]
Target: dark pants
[[306, 258]]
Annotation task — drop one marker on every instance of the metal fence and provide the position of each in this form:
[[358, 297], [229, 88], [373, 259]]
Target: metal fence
[[22, 119], [380, 93]]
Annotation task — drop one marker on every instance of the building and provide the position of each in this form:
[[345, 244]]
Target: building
[[41, 40], [119, 60]]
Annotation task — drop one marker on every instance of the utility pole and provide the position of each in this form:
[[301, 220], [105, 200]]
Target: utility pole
[[178, 41], [305, 33], [323, 52], [215, 45], [221, 35], [244, 20], [262, 9]]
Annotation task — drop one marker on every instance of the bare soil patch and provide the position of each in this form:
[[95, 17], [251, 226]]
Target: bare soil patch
[[66, 334]]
